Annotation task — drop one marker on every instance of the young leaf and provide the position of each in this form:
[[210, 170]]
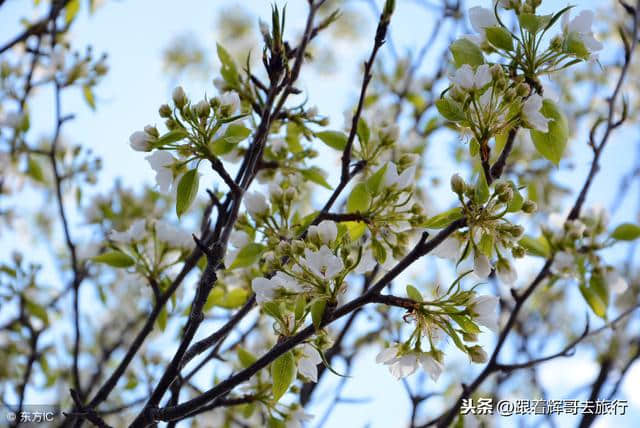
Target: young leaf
[[450, 109], [88, 96], [359, 199], [626, 232], [334, 139], [246, 358], [551, 145], [481, 194], [34, 170], [171, 137], [500, 38], [413, 293], [315, 174], [363, 132], [466, 52], [187, 191], [444, 219], [248, 255], [162, 319], [235, 133], [536, 247], [115, 259], [283, 371], [317, 312], [595, 302]]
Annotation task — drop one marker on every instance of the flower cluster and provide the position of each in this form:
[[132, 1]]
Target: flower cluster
[[456, 314]]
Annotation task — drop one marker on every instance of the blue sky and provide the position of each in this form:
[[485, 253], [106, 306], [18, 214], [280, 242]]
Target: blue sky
[[134, 34]]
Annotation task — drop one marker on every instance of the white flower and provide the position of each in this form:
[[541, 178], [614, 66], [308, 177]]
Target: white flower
[[308, 364], [264, 288], [256, 204], [134, 233], [161, 162], [231, 100], [431, 366], [533, 117], [466, 78], [563, 264], [267, 289], [239, 238], [173, 235], [403, 180], [296, 418], [484, 309], [581, 26], [367, 262], [322, 263], [327, 231], [506, 272], [481, 18], [448, 249], [403, 365], [616, 282], [481, 265]]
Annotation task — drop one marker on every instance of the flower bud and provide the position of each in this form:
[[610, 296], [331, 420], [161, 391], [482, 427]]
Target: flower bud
[[152, 130], [477, 354], [510, 94], [179, 97], [457, 184], [496, 72], [517, 251], [529, 206], [202, 109], [170, 124], [517, 231], [506, 195], [165, 111], [523, 89]]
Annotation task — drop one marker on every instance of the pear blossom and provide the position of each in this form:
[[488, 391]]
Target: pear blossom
[[173, 235], [161, 162], [532, 115], [465, 78], [231, 100], [481, 265], [448, 249], [134, 233], [401, 181], [481, 18], [322, 263], [403, 365], [477, 354], [267, 289], [326, 230], [308, 364], [296, 418], [367, 262], [179, 97], [563, 264], [616, 282], [506, 272], [256, 204], [581, 27], [484, 310]]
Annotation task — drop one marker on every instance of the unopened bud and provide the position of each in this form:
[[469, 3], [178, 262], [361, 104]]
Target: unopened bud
[[529, 206], [477, 354], [457, 184], [202, 109], [517, 251], [179, 97], [523, 90], [496, 72], [506, 195], [165, 111], [152, 130]]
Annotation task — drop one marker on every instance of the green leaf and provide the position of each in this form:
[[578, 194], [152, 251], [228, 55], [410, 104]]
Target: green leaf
[[114, 258], [536, 246], [283, 371], [466, 324], [235, 298], [300, 306], [88, 96], [162, 319], [574, 45], [228, 70], [373, 182], [355, 229], [594, 301], [515, 204], [272, 309], [481, 191], [363, 132], [34, 170], [37, 310], [187, 191], [171, 137], [413, 293], [317, 312], [214, 298], [486, 244], [235, 133], [334, 139], [551, 145], [71, 11], [246, 358], [444, 219], [529, 22], [450, 109], [626, 232], [359, 199], [466, 52], [315, 174], [500, 38], [599, 286], [379, 251], [248, 255]]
